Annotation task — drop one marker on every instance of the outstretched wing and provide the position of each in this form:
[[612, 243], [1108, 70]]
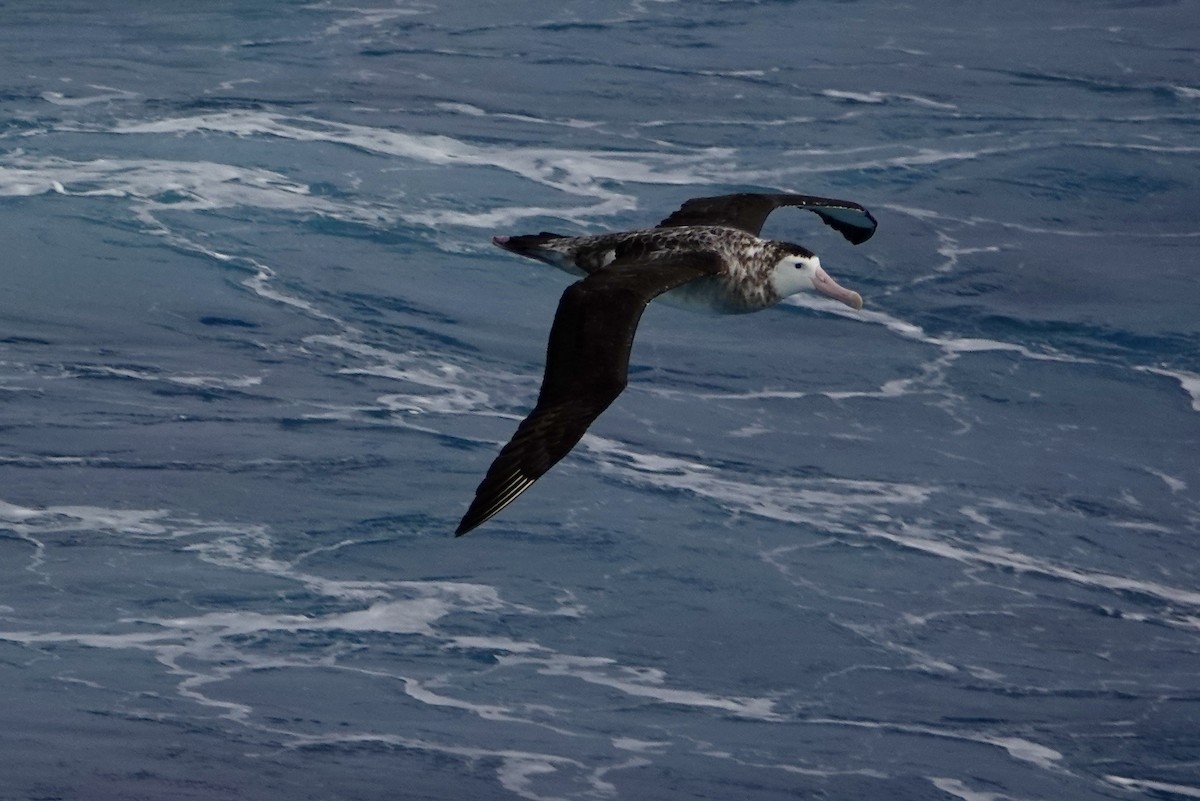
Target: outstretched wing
[[587, 366], [748, 211]]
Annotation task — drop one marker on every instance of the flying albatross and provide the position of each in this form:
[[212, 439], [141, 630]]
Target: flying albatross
[[707, 254]]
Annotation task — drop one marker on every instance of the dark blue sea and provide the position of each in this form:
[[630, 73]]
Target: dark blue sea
[[257, 351]]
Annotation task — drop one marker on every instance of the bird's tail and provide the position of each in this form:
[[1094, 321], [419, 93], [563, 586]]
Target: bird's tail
[[526, 244]]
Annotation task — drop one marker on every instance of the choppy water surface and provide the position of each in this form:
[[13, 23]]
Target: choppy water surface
[[256, 353]]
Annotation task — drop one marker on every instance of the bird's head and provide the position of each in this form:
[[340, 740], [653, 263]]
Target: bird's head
[[799, 270]]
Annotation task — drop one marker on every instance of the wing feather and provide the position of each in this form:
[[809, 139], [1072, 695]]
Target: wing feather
[[748, 211], [587, 366]]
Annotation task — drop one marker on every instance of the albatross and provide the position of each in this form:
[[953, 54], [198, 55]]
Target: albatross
[[707, 254]]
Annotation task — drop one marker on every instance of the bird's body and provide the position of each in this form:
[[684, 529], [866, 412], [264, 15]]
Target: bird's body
[[742, 285], [708, 254]]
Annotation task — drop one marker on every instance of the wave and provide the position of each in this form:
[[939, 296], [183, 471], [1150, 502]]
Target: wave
[[207, 650], [209, 656], [856, 510], [573, 172]]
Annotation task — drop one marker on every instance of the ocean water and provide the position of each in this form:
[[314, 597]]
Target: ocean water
[[256, 352]]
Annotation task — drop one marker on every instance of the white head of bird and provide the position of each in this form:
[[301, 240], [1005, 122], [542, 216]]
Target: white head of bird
[[800, 270]]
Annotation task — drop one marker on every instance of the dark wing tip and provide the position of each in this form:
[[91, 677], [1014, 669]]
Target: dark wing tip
[[850, 220], [495, 493], [466, 524]]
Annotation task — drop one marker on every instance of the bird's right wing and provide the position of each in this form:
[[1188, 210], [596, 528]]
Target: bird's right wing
[[587, 366]]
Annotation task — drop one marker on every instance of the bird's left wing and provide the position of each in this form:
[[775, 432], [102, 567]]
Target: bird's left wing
[[587, 366], [748, 211]]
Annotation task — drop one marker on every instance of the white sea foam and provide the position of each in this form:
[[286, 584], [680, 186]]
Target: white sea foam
[[796, 770], [204, 650], [884, 97], [1174, 484], [1189, 382], [451, 391], [937, 544], [854, 509], [801, 162], [942, 216], [363, 17], [1018, 748], [739, 122], [857, 97], [17, 514], [183, 379], [217, 382], [959, 788], [643, 683], [474, 111], [107, 94], [1146, 785], [153, 186], [640, 746], [187, 185], [950, 344], [515, 771], [953, 345], [135, 523], [573, 172], [891, 44], [779, 498]]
